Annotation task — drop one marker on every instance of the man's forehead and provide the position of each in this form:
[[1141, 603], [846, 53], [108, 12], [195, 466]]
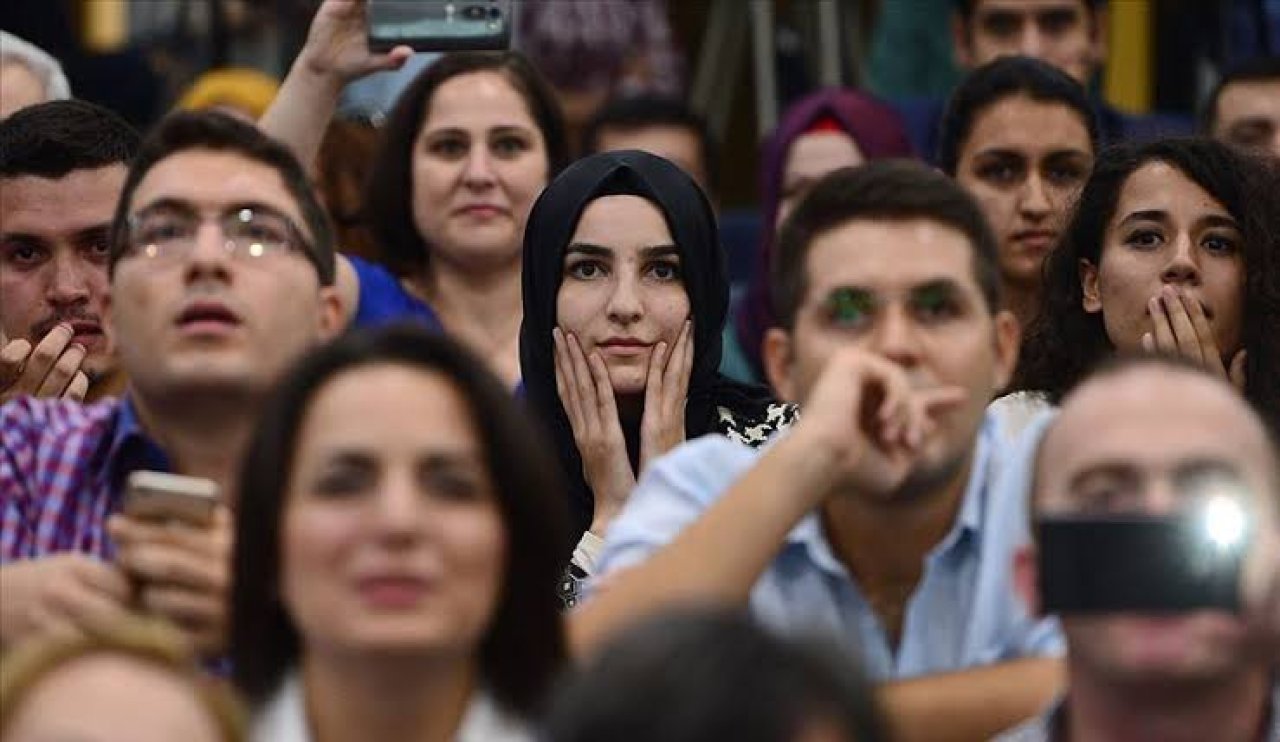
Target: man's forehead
[[1021, 7], [891, 256], [1153, 419], [213, 179], [80, 200], [1250, 94]]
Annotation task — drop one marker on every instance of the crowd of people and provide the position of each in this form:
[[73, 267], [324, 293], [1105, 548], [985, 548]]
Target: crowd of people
[[504, 445]]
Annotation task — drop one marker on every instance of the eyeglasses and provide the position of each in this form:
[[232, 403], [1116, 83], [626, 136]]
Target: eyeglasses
[[167, 233]]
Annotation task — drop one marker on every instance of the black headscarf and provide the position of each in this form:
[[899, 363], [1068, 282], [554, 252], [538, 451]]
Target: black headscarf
[[689, 216]]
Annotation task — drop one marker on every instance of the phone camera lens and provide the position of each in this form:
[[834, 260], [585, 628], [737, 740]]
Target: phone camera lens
[[495, 13], [474, 13]]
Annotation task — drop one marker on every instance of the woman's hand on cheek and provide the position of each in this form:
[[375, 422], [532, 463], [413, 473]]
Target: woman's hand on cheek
[[666, 392], [1181, 328], [587, 396]]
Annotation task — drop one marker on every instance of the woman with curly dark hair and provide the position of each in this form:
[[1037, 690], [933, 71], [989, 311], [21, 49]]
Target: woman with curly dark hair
[[1174, 247]]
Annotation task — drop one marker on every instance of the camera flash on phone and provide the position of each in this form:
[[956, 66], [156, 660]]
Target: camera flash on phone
[[1224, 521]]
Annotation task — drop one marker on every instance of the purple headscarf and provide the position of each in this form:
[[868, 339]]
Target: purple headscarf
[[878, 132]]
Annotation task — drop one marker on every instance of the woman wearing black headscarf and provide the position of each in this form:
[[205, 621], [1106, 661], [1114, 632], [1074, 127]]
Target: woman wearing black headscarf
[[625, 298]]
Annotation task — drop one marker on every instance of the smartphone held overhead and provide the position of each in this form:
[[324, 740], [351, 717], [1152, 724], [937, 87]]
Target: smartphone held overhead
[[440, 25]]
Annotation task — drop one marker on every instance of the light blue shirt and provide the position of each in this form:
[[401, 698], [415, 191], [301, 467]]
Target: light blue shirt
[[963, 613]]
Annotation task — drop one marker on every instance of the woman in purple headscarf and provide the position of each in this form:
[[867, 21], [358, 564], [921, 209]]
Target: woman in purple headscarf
[[821, 132]]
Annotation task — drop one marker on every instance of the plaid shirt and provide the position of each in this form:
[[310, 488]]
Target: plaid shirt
[[62, 471]]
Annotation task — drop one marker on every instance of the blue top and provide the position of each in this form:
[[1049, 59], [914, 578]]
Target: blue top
[[384, 300], [964, 613]]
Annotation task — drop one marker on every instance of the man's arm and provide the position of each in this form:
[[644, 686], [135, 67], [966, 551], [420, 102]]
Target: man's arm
[[719, 557], [971, 705]]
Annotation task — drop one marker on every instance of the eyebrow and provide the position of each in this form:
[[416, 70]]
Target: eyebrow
[[945, 285], [1109, 469], [1162, 216], [600, 251], [186, 207], [79, 236]]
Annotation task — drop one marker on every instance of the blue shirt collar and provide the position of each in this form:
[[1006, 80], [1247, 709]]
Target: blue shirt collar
[[808, 534], [130, 449]]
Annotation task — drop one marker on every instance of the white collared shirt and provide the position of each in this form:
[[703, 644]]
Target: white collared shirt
[[284, 719]]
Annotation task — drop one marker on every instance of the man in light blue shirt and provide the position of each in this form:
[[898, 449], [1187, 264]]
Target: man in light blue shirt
[[876, 517]]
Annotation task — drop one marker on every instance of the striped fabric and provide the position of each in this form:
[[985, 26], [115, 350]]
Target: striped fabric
[[62, 471]]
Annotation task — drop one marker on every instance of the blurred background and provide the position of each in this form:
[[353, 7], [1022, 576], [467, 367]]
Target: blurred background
[[738, 61]]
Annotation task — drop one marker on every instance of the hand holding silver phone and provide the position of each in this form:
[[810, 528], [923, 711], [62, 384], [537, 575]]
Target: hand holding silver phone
[[160, 497]]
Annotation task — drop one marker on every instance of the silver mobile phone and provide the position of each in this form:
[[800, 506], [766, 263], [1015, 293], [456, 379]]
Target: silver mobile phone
[[156, 496], [439, 25]]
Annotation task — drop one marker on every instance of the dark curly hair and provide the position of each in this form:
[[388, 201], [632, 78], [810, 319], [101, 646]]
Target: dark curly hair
[[1064, 341]]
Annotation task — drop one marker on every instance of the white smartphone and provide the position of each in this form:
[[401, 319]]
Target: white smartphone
[[156, 496]]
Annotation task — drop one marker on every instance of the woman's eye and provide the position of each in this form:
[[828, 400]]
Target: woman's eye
[[1219, 245], [453, 486], [1143, 239], [665, 271], [343, 483], [1065, 175], [509, 146], [447, 148], [1001, 172], [586, 270]]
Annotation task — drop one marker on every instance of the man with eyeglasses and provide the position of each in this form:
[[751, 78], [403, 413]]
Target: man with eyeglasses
[[221, 269]]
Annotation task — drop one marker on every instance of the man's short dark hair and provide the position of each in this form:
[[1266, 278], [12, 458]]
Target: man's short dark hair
[[966, 7], [632, 112], [1258, 69], [50, 140], [881, 190], [208, 130], [713, 675]]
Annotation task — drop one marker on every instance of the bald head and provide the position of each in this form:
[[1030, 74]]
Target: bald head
[[1130, 436]]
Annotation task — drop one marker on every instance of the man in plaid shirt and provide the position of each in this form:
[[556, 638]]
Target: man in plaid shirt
[[222, 271]]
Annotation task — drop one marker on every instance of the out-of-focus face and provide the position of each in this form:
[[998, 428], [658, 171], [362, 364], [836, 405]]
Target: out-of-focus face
[[1024, 162], [812, 156], [478, 165], [1060, 32], [1130, 444], [54, 244], [96, 699], [392, 538], [19, 88], [622, 293], [904, 290], [678, 144], [1167, 231], [1249, 116], [206, 317]]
